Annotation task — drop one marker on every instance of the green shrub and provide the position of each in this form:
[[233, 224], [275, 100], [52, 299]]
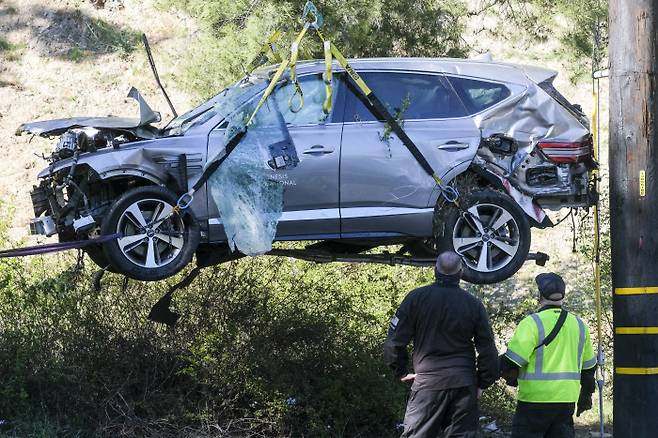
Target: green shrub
[[76, 54], [105, 37], [4, 44], [265, 346], [233, 32]]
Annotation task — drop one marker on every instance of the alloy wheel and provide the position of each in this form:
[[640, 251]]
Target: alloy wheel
[[487, 238], [149, 241]]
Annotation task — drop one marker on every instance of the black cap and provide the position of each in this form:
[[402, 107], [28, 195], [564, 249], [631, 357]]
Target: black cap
[[551, 286]]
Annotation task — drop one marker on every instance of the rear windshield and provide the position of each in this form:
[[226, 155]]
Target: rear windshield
[[550, 89]]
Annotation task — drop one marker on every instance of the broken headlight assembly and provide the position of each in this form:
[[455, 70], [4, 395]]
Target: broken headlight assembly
[[46, 201], [60, 201]]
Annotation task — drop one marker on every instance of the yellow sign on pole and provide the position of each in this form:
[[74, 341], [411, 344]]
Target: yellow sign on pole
[[643, 184]]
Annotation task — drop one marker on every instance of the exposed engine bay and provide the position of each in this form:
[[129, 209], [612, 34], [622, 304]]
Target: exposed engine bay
[[65, 192]]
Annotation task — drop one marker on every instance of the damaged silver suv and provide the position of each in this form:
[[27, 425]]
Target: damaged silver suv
[[501, 134]]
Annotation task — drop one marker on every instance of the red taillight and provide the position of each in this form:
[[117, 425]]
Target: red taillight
[[563, 152]]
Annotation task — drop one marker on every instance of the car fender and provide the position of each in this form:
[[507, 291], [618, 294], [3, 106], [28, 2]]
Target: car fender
[[447, 178], [148, 163], [526, 203]]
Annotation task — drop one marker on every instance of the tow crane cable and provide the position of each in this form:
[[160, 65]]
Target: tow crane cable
[[56, 247]]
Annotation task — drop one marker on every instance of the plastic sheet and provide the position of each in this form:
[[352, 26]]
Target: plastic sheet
[[244, 188]]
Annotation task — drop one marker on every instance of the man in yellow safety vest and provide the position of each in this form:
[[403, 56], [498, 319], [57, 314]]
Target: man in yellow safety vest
[[551, 358]]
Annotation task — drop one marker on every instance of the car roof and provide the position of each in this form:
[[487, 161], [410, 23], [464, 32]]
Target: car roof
[[499, 71]]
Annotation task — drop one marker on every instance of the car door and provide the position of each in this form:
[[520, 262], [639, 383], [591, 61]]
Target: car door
[[383, 189], [310, 200], [311, 209]]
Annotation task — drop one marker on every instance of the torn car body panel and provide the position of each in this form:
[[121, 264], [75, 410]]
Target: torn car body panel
[[140, 159], [139, 127], [526, 121]]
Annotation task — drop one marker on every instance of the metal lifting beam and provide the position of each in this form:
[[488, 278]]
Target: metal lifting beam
[[385, 258]]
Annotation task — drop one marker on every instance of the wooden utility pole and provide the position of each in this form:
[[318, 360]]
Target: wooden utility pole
[[634, 214]]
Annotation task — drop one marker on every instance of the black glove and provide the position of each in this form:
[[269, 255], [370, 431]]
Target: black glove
[[584, 403], [509, 371], [587, 387]]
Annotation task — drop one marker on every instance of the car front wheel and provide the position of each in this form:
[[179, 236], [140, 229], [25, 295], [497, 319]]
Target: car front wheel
[[491, 234], [156, 242]]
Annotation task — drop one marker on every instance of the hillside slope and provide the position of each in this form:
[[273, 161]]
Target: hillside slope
[[64, 59]]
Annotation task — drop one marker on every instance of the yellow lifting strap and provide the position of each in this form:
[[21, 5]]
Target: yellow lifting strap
[[294, 54], [449, 192], [269, 89], [277, 75], [267, 52], [327, 77], [313, 20], [343, 63], [600, 358]]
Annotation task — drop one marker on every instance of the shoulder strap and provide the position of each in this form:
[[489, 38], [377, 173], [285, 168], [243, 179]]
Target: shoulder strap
[[558, 325]]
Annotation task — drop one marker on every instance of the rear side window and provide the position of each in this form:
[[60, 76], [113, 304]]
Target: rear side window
[[421, 96], [479, 95]]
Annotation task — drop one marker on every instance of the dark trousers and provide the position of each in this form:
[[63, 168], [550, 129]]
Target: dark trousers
[[543, 420], [453, 412]]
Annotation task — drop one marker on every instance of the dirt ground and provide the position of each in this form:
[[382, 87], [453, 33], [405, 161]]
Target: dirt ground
[[67, 59]]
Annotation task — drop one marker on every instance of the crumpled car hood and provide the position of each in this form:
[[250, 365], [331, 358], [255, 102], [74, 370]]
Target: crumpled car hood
[[47, 128]]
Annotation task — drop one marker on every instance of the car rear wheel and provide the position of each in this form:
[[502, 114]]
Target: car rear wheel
[[492, 236], [156, 242]]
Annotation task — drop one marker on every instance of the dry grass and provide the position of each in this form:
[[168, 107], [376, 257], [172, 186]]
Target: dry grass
[[72, 59]]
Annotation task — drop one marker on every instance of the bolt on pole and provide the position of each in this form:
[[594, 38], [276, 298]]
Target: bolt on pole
[[633, 30]]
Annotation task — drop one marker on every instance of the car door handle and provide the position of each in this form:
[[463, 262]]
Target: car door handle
[[318, 149], [453, 145]]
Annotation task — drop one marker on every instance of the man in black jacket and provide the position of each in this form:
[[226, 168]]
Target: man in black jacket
[[445, 323]]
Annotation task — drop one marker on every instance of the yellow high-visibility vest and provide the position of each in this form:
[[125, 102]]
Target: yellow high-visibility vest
[[550, 374]]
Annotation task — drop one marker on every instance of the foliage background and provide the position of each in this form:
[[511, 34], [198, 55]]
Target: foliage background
[[235, 30]]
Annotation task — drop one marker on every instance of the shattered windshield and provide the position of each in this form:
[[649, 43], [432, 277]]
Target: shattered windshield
[[246, 190], [223, 103]]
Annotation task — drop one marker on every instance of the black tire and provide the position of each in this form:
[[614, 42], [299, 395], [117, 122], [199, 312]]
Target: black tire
[[167, 247], [495, 263], [96, 254]]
